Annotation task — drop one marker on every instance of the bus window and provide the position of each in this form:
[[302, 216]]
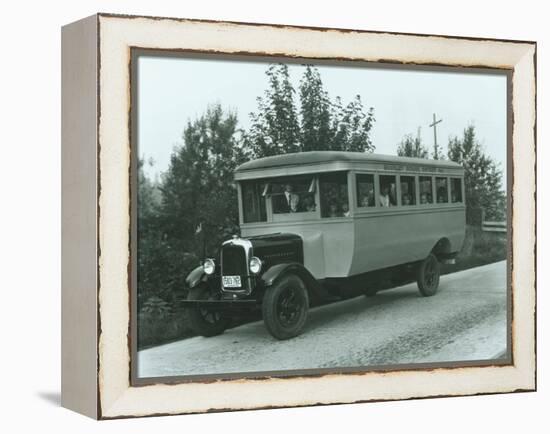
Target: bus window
[[426, 190], [365, 190], [292, 195], [333, 188], [253, 202], [442, 190], [456, 190], [408, 190], [388, 191]]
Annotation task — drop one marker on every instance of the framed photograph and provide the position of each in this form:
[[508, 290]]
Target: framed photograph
[[262, 216]]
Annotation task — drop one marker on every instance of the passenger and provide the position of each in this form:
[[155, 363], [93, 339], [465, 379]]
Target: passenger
[[393, 195], [370, 196], [309, 204], [288, 201], [294, 202], [424, 198], [333, 210], [441, 195], [406, 199], [345, 210], [368, 199], [385, 197]]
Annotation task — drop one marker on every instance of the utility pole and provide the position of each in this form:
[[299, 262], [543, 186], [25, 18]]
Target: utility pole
[[436, 149]]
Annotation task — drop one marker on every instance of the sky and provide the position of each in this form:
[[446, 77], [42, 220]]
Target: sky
[[172, 90]]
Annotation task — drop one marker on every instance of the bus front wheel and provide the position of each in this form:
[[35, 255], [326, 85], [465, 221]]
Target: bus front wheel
[[427, 276], [205, 321], [285, 307]]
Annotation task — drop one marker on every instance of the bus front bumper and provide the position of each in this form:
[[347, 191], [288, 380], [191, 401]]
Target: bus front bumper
[[219, 304]]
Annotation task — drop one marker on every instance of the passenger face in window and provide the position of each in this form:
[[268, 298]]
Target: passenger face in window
[[309, 204], [367, 199], [333, 210], [423, 198], [345, 210], [406, 199]]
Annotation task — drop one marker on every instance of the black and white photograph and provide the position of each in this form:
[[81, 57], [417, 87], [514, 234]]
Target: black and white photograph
[[297, 217], [250, 217]]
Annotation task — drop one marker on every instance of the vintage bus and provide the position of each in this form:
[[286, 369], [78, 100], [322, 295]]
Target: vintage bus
[[326, 223]]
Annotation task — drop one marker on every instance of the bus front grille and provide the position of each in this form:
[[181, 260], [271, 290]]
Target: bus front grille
[[234, 263]]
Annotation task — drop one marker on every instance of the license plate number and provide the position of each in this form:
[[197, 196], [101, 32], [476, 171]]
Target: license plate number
[[231, 281]]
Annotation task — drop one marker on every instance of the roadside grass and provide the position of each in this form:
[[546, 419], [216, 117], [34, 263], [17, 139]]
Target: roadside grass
[[155, 329], [162, 326], [479, 248]]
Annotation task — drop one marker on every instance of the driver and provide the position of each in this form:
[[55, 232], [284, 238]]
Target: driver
[[290, 200]]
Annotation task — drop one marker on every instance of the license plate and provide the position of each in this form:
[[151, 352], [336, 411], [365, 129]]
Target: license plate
[[231, 281]]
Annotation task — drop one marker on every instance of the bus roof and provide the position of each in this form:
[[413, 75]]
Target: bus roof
[[323, 161]]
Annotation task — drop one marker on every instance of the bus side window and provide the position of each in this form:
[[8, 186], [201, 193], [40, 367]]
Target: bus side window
[[333, 189], [456, 190], [408, 191], [365, 190], [442, 190], [426, 190], [388, 191]]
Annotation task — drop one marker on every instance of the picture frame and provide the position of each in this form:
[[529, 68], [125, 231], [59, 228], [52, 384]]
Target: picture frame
[[98, 238]]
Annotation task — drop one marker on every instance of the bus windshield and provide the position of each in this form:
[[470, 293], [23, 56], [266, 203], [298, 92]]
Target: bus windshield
[[293, 194], [288, 195], [253, 201]]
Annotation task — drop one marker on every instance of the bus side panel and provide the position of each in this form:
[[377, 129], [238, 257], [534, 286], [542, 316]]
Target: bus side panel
[[392, 239], [339, 246], [328, 244]]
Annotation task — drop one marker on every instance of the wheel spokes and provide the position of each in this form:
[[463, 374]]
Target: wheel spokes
[[288, 307], [209, 315]]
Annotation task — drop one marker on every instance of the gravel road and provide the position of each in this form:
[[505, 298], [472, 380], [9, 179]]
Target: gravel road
[[465, 320]]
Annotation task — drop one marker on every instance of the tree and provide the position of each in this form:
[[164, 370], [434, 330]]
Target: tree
[[321, 124], [198, 191], [412, 147], [275, 128], [352, 126], [315, 112], [482, 177], [151, 256]]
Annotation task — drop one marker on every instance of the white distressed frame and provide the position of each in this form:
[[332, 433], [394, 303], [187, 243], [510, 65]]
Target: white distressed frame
[[117, 34]]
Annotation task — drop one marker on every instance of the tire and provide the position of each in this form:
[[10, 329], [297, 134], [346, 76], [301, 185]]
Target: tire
[[427, 276], [203, 321], [285, 307]]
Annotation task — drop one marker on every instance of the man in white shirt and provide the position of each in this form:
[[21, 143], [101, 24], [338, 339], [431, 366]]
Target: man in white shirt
[[385, 197]]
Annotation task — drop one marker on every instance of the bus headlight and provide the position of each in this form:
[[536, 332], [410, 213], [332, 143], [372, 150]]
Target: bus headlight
[[208, 266], [255, 265]]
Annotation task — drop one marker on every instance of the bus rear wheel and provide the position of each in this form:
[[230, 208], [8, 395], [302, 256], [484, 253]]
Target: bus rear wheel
[[285, 307], [427, 276]]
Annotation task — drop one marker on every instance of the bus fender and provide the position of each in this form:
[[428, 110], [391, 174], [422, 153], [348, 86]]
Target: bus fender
[[276, 271]]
